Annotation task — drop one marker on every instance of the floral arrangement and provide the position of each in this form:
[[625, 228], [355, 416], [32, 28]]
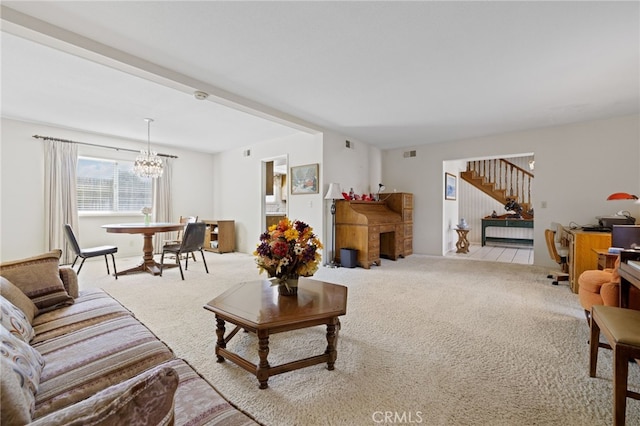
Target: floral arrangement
[[288, 250], [146, 211]]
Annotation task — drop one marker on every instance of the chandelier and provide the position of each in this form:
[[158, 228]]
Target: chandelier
[[148, 164]]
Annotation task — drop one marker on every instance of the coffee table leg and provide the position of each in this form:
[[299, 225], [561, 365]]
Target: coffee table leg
[[262, 372], [220, 333], [331, 343]]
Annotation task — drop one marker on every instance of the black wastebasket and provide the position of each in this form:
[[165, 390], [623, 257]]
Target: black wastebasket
[[348, 257]]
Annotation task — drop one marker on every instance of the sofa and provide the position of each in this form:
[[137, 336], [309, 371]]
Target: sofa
[[80, 357]]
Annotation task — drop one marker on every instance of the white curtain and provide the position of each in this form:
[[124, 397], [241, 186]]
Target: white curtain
[[61, 206], [162, 203]]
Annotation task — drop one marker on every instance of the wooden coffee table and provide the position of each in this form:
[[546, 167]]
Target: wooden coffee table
[[257, 307]]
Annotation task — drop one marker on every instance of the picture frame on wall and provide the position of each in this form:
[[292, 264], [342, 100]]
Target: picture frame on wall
[[304, 179], [450, 186]]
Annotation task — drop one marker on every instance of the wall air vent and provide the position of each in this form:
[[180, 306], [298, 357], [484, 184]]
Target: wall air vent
[[408, 154]]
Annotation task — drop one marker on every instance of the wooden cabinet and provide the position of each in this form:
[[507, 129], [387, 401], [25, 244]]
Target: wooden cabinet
[[273, 219], [220, 236], [582, 256], [402, 203]]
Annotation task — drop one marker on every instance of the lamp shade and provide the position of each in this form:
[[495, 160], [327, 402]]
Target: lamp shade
[[334, 192], [622, 196]]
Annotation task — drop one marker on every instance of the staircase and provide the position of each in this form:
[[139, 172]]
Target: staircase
[[501, 180]]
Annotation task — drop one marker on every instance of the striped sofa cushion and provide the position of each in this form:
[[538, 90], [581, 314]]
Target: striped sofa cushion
[[91, 307], [197, 402], [146, 399], [88, 360]]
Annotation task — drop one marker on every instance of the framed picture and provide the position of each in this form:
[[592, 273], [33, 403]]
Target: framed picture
[[450, 186], [304, 179]]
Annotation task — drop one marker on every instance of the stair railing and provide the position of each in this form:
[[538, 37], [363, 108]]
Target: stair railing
[[507, 176]]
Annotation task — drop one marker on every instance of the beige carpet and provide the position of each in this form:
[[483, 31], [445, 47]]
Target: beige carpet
[[426, 340]]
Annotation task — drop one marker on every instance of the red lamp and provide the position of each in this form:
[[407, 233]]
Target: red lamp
[[622, 196]]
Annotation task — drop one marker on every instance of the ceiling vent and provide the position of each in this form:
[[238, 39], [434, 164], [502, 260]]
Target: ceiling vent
[[408, 154]]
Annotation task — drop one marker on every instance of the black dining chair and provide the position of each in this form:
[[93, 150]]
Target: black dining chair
[[86, 253], [192, 240]]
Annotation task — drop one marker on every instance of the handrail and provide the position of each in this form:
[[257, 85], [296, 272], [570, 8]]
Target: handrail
[[506, 176]]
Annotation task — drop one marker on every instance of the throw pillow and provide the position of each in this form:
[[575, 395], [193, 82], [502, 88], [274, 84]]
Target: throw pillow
[[15, 408], [15, 321], [20, 300], [146, 399], [21, 369], [39, 279]]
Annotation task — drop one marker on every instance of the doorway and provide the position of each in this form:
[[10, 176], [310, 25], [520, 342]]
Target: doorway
[[475, 204], [274, 190]]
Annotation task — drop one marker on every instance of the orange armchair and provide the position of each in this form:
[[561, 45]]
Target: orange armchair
[[602, 287]]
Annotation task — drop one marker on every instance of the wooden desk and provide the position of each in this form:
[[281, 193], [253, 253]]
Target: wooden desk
[[148, 264], [629, 275], [581, 255], [371, 228], [257, 307], [605, 259]]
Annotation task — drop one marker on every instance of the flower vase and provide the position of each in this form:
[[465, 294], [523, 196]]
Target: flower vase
[[288, 286], [147, 219]]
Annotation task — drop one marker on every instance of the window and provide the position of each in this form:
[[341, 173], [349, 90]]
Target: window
[[109, 186]]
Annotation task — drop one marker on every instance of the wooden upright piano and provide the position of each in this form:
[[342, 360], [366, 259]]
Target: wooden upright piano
[[374, 229]]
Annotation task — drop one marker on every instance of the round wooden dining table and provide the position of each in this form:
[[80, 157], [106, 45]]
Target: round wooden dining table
[[148, 264]]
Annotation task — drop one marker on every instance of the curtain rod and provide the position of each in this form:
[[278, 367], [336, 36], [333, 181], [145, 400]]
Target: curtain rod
[[49, 138]]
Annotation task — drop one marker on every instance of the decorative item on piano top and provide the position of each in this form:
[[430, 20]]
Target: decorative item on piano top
[[287, 251], [351, 196], [146, 211]]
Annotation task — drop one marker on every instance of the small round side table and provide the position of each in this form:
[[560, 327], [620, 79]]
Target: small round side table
[[463, 243]]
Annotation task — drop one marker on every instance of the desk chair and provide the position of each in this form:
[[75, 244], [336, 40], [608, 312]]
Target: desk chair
[[558, 254], [86, 253], [621, 328], [193, 240]]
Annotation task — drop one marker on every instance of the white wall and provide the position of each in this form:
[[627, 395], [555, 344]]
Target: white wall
[[221, 186], [238, 195], [577, 167], [22, 185], [450, 208], [358, 167]]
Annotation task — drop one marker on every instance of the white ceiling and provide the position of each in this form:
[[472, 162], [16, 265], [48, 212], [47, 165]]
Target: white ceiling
[[393, 74]]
